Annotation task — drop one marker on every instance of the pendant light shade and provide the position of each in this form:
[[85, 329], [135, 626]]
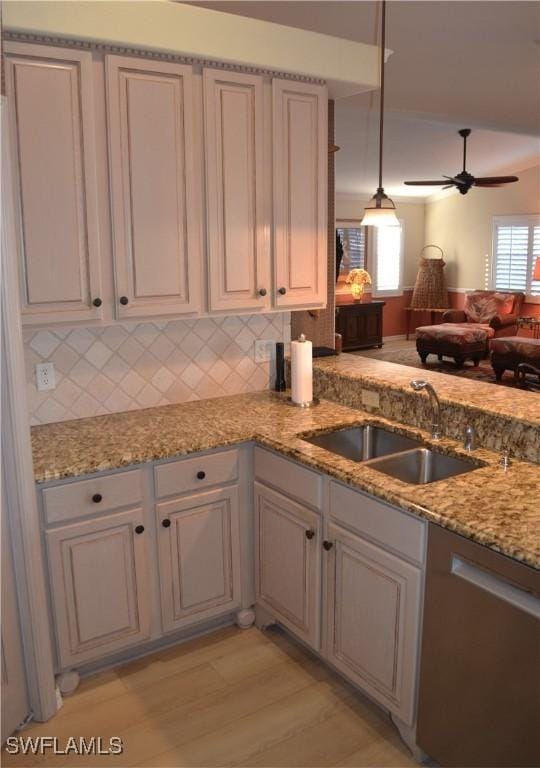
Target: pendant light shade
[[381, 211]]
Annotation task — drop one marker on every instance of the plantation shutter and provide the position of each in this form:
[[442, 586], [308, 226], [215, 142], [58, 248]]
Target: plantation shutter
[[353, 240], [516, 248], [388, 261]]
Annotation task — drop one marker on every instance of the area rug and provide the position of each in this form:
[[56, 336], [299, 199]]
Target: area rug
[[404, 353]]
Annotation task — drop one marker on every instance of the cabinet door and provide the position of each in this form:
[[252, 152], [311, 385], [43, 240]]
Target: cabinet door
[[99, 586], [373, 604], [237, 209], [155, 207], [199, 557], [288, 563], [52, 139], [300, 161]]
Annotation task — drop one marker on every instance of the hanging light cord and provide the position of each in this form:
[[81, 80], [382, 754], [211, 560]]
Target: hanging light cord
[[381, 121]]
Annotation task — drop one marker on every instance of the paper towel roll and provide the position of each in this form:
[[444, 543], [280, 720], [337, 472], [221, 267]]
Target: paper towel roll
[[301, 370]]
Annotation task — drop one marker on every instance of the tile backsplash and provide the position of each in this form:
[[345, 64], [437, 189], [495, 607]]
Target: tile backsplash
[[123, 367]]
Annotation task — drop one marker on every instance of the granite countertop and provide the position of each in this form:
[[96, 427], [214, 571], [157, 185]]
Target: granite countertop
[[496, 508], [487, 398]]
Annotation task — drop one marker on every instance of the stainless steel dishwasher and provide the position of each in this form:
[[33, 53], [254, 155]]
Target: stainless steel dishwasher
[[479, 693]]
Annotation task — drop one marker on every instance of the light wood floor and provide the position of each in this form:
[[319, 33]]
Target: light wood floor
[[233, 698]]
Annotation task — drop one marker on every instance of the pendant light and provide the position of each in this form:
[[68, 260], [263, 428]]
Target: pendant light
[[381, 211]]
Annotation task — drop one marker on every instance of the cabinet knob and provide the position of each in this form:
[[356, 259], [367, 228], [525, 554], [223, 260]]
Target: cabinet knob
[[262, 292], [97, 497], [139, 529], [327, 545], [283, 291], [166, 523], [310, 534], [201, 475], [97, 302], [124, 300]]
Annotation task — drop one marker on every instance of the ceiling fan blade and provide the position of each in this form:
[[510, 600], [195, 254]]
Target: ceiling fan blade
[[449, 186], [425, 183], [489, 180]]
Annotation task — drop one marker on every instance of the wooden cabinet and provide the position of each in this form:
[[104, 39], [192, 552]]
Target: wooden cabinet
[[156, 213], [360, 324], [50, 97], [373, 606], [199, 557], [288, 562], [300, 163], [99, 585], [236, 192]]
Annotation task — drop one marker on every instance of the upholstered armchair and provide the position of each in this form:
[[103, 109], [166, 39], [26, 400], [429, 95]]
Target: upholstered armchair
[[496, 311]]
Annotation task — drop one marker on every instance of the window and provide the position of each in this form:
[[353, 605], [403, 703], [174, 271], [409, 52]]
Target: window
[[388, 261], [516, 246], [353, 240]]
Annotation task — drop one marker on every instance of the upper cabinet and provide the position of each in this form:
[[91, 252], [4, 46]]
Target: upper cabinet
[[210, 186], [237, 209], [154, 204], [300, 168], [52, 139]]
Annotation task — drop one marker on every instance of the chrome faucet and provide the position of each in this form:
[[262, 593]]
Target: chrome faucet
[[417, 385], [469, 439]]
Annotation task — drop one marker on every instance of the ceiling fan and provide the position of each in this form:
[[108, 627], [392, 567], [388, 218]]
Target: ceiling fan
[[463, 181]]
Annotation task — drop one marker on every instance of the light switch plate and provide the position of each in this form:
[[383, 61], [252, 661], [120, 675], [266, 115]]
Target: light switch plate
[[265, 350], [370, 398], [45, 376]]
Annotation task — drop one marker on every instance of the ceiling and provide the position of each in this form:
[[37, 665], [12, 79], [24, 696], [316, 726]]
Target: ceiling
[[454, 64]]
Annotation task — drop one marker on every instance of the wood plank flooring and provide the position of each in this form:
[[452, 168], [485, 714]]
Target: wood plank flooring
[[233, 698]]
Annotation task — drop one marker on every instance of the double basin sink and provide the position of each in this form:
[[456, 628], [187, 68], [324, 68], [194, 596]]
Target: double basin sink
[[399, 456]]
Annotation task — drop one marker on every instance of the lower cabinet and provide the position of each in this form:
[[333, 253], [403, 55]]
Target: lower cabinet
[[199, 557], [373, 602], [99, 584], [288, 562]]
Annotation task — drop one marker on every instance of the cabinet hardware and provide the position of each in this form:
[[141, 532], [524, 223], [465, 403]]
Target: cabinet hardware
[[139, 529], [310, 534], [124, 300], [201, 475], [97, 497], [166, 523], [262, 292], [327, 545], [97, 302], [283, 291]]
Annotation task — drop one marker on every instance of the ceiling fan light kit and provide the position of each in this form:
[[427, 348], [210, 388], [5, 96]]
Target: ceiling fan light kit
[[464, 180], [381, 211]]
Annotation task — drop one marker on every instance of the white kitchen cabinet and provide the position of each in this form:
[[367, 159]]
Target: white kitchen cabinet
[[199, 557], [288, 562], [99, 586], [156, 210], [373, 610], [238, 213], [300, 167], [51, 104]]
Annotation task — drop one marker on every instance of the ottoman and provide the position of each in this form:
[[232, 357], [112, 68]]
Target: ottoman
[[507, 352], [460, 341]]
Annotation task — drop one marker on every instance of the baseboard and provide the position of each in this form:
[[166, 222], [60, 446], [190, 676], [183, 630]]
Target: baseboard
[[399, 337]]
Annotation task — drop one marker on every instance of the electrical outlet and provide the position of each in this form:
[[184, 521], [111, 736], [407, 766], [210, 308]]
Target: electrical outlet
[[265, 350], [370, 398], [45, 376]]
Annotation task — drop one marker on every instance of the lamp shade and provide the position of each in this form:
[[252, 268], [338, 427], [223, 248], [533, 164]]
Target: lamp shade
[[536, 272], [380, 212]]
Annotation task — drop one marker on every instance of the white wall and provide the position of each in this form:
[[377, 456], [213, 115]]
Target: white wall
[[462, 225], [412, 213]]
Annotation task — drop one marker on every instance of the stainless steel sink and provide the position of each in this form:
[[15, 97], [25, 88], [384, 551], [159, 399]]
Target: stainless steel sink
[[363, 443], [422, 466]]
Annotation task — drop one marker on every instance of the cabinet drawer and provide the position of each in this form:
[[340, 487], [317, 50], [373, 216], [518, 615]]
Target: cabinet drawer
[[290, 478], [194, 474], [87, 497], [392, 528]]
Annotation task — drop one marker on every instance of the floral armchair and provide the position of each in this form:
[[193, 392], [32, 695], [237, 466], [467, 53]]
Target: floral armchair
[[495, 311]]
